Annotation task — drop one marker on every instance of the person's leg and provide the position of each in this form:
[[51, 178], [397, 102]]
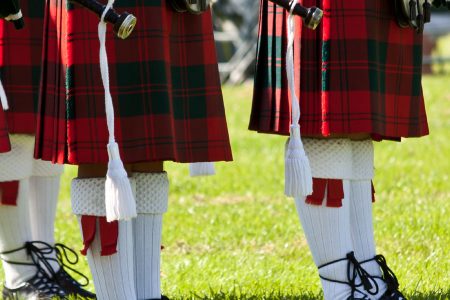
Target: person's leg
[[15, 228], [43, 198], [109, 246], [14, 233], [44, 190], [152, 190], [325, 215], [22, 277], [361, 218]]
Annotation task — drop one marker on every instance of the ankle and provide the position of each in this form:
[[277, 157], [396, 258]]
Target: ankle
[[18, 267]]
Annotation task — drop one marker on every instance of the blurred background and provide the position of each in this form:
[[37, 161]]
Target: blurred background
[[236, 28]]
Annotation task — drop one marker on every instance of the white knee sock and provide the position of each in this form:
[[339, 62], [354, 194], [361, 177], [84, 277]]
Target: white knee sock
[[327, 229], [361, 211], [114, 274], [14, 222], [44, 189], [14, 232], [151, 200]]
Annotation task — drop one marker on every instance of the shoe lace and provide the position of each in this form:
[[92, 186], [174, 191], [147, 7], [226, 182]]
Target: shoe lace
[[40, 252], [388, 275], [41, 281], [354, 272], [64, 254]]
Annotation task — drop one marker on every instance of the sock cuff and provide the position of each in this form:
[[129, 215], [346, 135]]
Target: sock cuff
[[152, 192], [43, 168], [363, 156], [329, 158], [17, 163], [88, 196]]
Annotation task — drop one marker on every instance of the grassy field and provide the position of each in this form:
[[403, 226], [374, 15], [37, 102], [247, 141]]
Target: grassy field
[[235, 236]]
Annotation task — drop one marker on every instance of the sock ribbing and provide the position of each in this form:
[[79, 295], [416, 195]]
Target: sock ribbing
[[362, 230], [361, 219], [14, 232], [113, 275], [43, 200], [147, 250], [152, 192], [327, 230]]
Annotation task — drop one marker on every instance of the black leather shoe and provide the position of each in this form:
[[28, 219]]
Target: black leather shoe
[[71, 286], [40, 287]]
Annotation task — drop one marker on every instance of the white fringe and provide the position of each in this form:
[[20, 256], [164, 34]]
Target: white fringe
[[119, 199], [298, 177], [201, 169]]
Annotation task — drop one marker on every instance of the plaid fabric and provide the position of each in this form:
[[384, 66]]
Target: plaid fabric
[[164, 83], [20, 67], [5, 144], [357, 73]]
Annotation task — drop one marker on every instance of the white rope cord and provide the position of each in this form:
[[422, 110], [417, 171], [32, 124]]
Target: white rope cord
[[105, 72], [14, 17], [119, 199], [290, 66], [298, 178], [3, 98]]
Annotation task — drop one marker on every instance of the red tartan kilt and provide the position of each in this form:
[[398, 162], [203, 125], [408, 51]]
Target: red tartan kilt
[[357, 73], [20, 67], [164, 83], [5, 144]]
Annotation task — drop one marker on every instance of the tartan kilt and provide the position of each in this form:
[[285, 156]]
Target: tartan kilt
[[20, 67], [163, 79], [359, 72], [5, 144]]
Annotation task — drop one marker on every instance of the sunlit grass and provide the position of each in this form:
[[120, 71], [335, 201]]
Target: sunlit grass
[[235, 236]]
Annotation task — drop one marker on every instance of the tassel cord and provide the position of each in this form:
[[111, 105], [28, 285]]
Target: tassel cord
[[105, 73], [290, 67]]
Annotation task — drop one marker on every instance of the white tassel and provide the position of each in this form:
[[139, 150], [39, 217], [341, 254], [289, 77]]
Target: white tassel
[[119, 199], [202, 169], [3, 98], [298, 177], [14, 17]]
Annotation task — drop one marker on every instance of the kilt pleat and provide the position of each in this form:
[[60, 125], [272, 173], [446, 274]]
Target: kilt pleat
[[20, 67], [359, 72], [164, 82], [5, 144]]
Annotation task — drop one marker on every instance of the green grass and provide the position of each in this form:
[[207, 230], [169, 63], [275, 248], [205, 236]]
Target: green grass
[[235, 236]]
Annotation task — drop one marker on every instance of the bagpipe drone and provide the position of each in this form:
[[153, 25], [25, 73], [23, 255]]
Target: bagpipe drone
[[10, 11], [415, 13], [312, 16], [123, 23]]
